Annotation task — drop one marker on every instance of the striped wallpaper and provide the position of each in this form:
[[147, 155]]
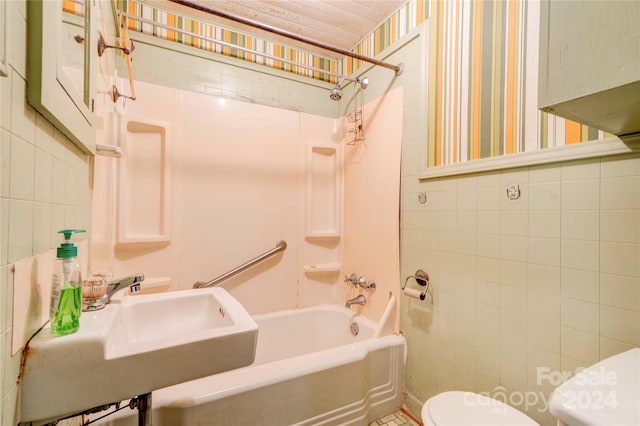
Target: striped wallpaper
[[217, 32], [403, 20], [73, 6], [483, 83]]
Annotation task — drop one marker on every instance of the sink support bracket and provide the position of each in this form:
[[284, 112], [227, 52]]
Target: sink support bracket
[[141, 402]]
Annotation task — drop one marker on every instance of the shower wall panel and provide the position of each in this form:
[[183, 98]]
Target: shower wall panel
[[231, 185], [144, 182]]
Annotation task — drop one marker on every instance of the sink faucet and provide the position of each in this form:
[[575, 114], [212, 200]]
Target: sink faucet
[[359, 300], [131, 282]]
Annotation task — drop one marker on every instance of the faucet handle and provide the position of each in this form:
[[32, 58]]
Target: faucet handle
[[351, 279], [367, 285]]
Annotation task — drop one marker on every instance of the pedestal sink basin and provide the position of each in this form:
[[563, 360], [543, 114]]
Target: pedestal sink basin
[[135, 345]]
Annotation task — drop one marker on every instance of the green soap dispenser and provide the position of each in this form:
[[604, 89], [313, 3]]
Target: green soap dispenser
[[66, 289]]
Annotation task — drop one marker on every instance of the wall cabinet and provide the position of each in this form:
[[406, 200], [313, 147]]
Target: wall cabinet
[[590, 63], [61, 65]]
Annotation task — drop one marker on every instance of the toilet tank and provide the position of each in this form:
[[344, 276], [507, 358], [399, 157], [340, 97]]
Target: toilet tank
[[607, 393]]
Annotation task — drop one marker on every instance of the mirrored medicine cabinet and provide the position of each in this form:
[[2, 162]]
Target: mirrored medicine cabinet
[[61, 58]]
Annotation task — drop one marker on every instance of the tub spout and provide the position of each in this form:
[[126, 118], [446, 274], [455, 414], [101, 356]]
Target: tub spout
[[359, 300]]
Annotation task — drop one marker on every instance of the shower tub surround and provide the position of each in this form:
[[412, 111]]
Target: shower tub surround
[[208, 183], [233, 178], [310, 369]]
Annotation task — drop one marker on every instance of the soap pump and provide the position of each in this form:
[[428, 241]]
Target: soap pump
[[66, 289]]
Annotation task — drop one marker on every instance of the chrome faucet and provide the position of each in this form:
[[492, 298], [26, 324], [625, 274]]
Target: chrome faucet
[[359, 300], [131, 282]]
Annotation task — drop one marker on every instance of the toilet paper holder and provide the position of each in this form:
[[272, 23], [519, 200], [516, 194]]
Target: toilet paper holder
[[422, 278]]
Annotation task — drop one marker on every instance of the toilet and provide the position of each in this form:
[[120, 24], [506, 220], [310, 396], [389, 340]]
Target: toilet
[[606, 393], [467, 408]]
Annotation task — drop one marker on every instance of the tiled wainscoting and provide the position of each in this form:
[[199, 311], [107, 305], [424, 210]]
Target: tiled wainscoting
[[550, 280]]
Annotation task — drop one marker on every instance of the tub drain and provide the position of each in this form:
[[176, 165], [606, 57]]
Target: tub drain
[[355, 329]]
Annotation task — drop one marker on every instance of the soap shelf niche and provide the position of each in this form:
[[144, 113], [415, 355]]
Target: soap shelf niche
[[144, 181], [320, 236], [323, 193], [322, 268]]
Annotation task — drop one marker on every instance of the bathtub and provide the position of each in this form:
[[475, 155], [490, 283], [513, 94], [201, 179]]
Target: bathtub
[[310, 369]]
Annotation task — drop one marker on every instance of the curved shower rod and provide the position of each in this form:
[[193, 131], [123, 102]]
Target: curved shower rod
[[397, 68]]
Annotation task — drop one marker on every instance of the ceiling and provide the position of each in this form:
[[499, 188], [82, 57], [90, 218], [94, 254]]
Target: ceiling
[[340, 23]]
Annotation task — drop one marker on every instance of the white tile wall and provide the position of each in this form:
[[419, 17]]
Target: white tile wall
[[621, 226], [610, 347], [613, 167], [580, 224], [34, 196], [556, 273], [544, 334], [620, 291], [580, 345], [544, 251], [488, 245], [580, 194], [619, 258], [580, 315], [620, 193], [513, 247], [620, 324], [545, 196], [544, 278], [544, 223], [23, 169], [581, 285], [513, 273], [514, 222], [545, 173], [5, 160], [20, 229], [4, 231], [489, 292], [580, 254], [42, 176], [543, 306], [513, 363], [513, 299]]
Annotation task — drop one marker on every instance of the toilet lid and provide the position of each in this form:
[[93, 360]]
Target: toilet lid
[[467, 408]]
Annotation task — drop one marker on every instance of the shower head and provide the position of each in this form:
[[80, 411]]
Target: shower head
[[336, 93]]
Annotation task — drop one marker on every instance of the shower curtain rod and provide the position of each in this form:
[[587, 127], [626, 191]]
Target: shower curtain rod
[[397, 68], [227, 44]]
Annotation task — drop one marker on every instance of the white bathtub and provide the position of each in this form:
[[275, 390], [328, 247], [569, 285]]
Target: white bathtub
[[309, 370]]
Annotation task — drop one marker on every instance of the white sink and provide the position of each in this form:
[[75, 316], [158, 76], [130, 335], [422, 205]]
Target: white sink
[[135, 345], [607, 393]]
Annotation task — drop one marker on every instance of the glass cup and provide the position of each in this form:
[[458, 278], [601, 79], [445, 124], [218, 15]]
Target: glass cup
[[93, 288]]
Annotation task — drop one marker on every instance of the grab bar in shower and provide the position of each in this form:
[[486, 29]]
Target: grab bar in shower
[[280, 246]]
